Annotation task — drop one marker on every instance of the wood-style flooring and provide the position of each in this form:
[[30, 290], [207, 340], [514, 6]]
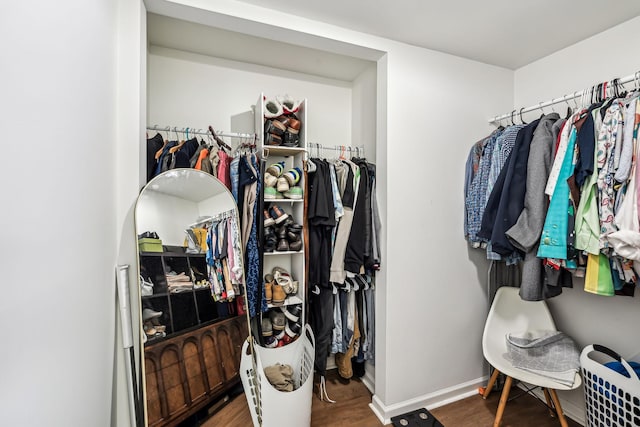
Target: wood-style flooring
[[352, 410]]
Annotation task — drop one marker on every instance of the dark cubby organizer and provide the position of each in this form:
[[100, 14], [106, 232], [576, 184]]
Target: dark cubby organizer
[[181, 311]]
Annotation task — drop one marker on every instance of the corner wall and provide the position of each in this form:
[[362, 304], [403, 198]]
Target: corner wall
[[58, 233], [589, 319]]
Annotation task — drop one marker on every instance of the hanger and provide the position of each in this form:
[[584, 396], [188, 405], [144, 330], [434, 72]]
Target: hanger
[[219, 141], [523, 122], [512, 113], [164, 143], [569, 111]]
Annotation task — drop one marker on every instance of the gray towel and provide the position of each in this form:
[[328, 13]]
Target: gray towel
[[552, 354]]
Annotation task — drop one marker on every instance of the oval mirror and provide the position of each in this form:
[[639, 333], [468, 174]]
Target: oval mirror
[[190, 268]]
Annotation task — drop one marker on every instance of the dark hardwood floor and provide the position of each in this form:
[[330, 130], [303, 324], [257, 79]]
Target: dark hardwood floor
[[352, 410]]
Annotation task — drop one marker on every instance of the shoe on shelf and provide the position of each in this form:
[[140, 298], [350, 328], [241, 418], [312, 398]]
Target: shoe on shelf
[[277, 320], [270, 180], [294, 193], [268, 287], [283, 245], [281, 231], [293, 176], [289, 105], [272, 139], [291, 138], [284, 279], [276, 169], [268, 221], [270, 240], [149, 329], [292, 312], [283, 185], [294, 237], [266, 326], [270, 193], [272, 108], [278, 214], [278, 295], [294, 227], [148, 314], [274, 126], [295, 246], [294, 124]]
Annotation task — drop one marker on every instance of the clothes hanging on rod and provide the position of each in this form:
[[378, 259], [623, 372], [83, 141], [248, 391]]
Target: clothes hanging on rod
[[238, 169], [225, 264], [212, 156], [591, 92], [343, 226], [565, 200]]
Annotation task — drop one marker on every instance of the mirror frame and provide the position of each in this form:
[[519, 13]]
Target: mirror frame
[[195, 196]]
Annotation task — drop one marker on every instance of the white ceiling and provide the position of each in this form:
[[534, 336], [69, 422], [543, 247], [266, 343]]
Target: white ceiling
[[507, 33]]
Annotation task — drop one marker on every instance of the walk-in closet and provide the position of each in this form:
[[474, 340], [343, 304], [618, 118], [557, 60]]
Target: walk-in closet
[[180, 177]]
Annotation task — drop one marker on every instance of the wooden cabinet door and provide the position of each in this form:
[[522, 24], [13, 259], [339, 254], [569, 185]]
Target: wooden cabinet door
[[226, 347], [151, 373], [238, 330], [173, 379], [194, 369], [212, 362]]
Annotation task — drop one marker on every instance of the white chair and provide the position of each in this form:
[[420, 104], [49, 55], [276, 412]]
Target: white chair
[[509, 313]]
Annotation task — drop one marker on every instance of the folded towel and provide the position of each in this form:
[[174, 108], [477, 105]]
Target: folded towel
[[552, 354]]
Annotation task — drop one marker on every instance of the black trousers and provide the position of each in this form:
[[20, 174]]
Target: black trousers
[[321, 306]]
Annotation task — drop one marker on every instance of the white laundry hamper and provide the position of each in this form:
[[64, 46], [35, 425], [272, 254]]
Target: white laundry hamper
[[270, 407], [611, 399]]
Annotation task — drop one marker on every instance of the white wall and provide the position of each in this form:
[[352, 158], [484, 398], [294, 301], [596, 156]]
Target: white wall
[[186, 89], [58, 229], [611, 321], [363, 112], [167, 215], [435, 300], [431, 303]]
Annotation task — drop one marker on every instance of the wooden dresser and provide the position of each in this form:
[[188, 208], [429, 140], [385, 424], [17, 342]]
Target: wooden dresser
[[185, 373]]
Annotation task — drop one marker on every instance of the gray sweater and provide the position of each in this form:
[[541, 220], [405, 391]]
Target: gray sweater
[[525, 234]]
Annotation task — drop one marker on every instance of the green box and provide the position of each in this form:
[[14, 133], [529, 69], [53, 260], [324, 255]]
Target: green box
[[149, 245]]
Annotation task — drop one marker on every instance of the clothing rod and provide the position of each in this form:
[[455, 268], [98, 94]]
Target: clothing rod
[[199, 131], [221, 215], [631, 78], [315, 145]]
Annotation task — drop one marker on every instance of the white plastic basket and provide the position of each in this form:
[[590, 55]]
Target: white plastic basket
[[611, 399], [270, 407]]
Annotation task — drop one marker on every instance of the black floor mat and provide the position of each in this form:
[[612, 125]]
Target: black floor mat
[[418, 418]]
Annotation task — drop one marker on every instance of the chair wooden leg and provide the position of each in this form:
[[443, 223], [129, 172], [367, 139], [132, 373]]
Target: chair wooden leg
[[547, 397], [503, 401], [556, 403], [490, 384]]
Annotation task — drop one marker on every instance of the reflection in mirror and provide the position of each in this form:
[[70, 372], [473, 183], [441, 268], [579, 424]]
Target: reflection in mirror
[[190, 271]]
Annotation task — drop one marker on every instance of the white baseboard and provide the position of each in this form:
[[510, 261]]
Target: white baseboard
[[429, 401], [369, 382], [570, 409]]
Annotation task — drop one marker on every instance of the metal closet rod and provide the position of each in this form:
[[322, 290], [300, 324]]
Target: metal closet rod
[[222, 215], [580, 93], [200, 131], [359, 148]]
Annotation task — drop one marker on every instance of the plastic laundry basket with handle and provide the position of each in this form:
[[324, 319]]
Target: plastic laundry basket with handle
[[612, 399], [270, 407]]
